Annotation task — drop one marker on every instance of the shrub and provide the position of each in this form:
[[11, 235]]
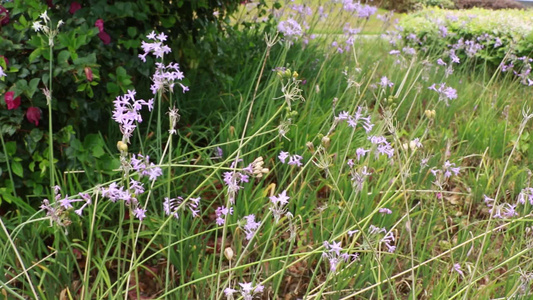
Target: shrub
[[497, 4], [94, 59], [478, 35]]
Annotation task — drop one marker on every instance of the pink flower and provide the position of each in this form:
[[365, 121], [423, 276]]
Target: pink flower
[[88, 73], [5, 59], [100, 24], [74, 6], [12, 103], [4, 16], [106, 39], [33, 114]]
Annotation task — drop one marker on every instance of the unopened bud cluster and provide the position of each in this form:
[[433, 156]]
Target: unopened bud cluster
[[257, 167]]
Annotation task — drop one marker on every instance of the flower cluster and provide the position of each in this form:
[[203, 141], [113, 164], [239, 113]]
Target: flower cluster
[[247, 290], [383, 147], [388, 239], [446, 93], [334, 256], [294, 160], [172, 206], [45, 28], [61, 204], [526, 194], [166, 76], [355, 119], [221, 213], [127, 112], [291, 29], [278, 205], [250, 226], [500, 211]]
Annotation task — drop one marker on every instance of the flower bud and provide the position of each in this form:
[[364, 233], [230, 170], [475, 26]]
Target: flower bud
[[122, 147], [228, 253], [326, 142], [88, 73], [430, 114]]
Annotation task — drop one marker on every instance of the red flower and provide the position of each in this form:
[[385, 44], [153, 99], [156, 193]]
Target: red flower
[[11, 103], [104, 37], [50, 3], [74, 6], [4, 16], [100, 24], [33, 114], [88, 73]]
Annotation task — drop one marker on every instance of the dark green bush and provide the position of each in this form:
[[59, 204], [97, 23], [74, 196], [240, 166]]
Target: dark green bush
[[95, 58]]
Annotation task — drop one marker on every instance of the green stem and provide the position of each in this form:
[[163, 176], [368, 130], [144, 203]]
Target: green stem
[[8, 165], [51, 165]]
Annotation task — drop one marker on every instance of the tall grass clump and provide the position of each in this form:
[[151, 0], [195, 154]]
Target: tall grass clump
[[342, 168]]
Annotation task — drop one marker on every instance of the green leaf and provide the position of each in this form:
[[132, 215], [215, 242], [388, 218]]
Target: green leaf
[[36, 134], [113, 88], [62, 58], [16, 167], [35, 54], [132, 31], [34, 83], [98, 151], [11, 148]]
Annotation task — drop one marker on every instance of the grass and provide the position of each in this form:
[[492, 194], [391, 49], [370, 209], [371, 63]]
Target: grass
[[448, 245]]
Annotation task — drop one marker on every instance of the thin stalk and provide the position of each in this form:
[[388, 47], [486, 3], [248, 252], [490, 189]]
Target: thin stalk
[[8, 165], [51, 164]]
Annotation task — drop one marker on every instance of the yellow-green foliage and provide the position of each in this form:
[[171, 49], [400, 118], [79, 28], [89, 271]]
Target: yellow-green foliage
[[512, 27]]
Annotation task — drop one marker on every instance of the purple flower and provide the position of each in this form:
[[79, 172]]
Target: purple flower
[[386, 82], [250, 227], [283, 156], [446, 93], [221, 212], [290, 29], [295, 160], [126, 112], [457, 268], [385, 211], [139, 213], [360, 152]]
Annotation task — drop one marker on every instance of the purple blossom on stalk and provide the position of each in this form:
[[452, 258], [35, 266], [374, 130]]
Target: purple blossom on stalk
[[357, 118], [126, 112], [140, 213], [385, 211], [291, 29], [361, 152], [221, 213], [171, 206], [283, 156], [457, 268], [446, 93], [443, 30], [382, 146], [409, 51], [334, 256], [250, 226], [156, 47], [247, 290], [278, 205], [166, 76], [295, 160], [384, 82], [525, 194], [358, 178]]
